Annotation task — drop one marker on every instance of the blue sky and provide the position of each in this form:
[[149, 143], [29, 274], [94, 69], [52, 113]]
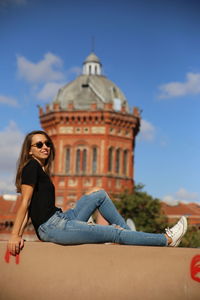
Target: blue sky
[[150, 49]]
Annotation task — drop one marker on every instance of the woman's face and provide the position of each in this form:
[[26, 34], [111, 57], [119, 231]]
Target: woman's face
[[40, 148]]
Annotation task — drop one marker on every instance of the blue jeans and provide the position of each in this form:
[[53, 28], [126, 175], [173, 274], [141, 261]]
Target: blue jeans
[[71, 227]]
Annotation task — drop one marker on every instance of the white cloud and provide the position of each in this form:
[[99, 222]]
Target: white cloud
[[8, 101], [177, 89], [147, 131], [49, 90], [7, 185], [48, 69], [46, 76], [10, 142], [182, 195], [171, 200], [75, 70]]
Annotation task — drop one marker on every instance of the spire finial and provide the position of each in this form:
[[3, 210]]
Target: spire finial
[[92, 65], [93, 44]]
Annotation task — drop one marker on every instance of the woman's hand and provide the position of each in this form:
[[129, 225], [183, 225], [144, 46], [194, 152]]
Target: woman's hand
[[15, 245]]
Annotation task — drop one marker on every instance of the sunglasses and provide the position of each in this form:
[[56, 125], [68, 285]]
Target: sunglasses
[[39, 145]]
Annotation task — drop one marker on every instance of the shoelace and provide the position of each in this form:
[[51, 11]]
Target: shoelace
[[171, 231], [168, 232]]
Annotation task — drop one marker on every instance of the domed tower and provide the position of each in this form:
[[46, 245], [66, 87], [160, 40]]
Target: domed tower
[[94, 133]]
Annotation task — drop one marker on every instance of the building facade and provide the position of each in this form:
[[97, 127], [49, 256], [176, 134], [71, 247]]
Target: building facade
[[94, 134]]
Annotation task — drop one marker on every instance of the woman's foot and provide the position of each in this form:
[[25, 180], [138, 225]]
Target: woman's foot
[[175, 234]]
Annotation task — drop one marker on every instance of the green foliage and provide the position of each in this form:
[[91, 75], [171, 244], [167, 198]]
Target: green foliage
[[143, 209], [147, 215], [191, 238]]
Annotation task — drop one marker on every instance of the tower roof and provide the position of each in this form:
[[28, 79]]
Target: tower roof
[[91, 87], [92, 58]]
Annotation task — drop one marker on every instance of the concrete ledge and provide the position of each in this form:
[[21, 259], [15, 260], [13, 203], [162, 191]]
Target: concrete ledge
[[49, 271]]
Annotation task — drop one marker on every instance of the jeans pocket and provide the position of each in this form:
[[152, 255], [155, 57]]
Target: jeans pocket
[[42, 233]]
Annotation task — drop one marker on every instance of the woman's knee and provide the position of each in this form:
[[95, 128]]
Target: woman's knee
[[93, 190]]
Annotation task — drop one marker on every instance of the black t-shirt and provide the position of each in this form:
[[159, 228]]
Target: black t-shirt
[[42, 205]]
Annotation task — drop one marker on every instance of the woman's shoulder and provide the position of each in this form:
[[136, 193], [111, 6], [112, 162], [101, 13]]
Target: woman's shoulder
[[30, 172], [32, 163]]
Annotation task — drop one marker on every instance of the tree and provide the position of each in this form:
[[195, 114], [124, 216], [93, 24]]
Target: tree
[[147, 215], [191, 238], [143, 209]]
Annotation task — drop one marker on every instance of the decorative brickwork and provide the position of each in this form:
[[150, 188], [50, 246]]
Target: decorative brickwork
[[93, 148], [94, 135]]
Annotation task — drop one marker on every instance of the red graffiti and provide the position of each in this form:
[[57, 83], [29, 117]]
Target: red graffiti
[[7, 257], [195, 268]]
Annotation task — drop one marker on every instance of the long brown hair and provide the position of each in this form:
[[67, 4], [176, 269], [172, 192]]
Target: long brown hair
[[25, 157]]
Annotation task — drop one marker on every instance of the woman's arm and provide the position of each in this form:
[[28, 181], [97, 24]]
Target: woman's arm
[[16, 243], [24, 224]]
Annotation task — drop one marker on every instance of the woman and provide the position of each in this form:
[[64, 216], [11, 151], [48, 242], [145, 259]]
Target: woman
[[70, 227]]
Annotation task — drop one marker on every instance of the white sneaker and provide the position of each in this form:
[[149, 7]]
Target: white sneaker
[[177, 232]]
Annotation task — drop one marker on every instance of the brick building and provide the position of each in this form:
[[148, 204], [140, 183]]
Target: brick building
[[190, 210], [94, 134]]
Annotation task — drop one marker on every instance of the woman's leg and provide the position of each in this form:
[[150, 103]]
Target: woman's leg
[[100, 200], [72, 232]]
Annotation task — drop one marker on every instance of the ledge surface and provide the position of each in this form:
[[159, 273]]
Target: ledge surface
[[50, 271]]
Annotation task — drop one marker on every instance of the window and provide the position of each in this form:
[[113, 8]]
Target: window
[[110, 159], [84, 161], [117, 166], [125, 161], [78, 159], [94, 160], [81, 160], [67, 161], [115, 92], [117, 104]]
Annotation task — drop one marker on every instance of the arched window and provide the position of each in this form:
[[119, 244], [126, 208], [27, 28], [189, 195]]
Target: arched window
[[125, 162], [81, 159], [84, 161], [78, 159], [110, 159], [117, 166], [67, 161], [90, 69], [94, 160]]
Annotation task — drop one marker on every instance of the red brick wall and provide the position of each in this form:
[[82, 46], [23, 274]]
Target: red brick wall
[[77, 129]]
